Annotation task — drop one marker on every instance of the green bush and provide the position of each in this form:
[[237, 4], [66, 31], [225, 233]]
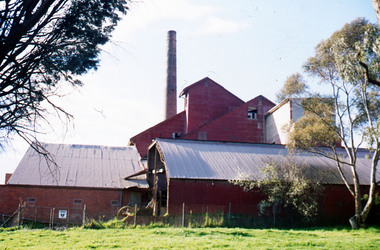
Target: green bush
[[213, 221]]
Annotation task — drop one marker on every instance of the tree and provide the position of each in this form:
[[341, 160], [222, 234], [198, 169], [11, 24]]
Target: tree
[[44, 44], [376, 6], [286, 183], [294, 86], [337, 63]]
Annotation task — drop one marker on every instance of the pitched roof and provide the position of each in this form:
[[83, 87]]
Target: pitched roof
[[208, 80], [185, 159], [264, 98], [81, 166]]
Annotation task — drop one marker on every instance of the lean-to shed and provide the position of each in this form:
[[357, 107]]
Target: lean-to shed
[[197, 174]]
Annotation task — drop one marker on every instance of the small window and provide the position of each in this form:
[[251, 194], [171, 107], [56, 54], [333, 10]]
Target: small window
[[31, 200], [252, 113], [114, 203], [202, 136], [77, 202]]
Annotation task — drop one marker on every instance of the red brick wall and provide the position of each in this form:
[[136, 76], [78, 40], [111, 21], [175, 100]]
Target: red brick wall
[[336, 203], [7, 177], [207, 196], [164, 129], [211, 113], [98, 201], [207, 100], [235, 126], [337, 200]]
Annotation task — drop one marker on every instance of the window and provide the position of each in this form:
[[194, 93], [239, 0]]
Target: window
[[252, 113], [202, 136], [77, 202], [176, 135], [114, 203], [31, 200]]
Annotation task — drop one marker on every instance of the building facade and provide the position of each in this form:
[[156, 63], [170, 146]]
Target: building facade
[[199, 174], [211, 113], [90, 180]]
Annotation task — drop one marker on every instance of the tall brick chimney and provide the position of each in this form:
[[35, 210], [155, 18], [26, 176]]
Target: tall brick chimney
[[171, 77]]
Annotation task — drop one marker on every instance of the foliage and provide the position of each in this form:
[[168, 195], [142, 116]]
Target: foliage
[[213, 221], [294, 86], [376, 199], [317, 125], [45, 42], [287, 184], [348, 62], [194, 238]]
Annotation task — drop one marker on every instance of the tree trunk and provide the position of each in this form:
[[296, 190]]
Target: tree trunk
[[357, 220], [376, 6], [353, 222], [372, 188], [358, 196]]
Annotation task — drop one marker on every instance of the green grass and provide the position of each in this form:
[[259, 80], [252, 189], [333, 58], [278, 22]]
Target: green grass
[[168, 237]]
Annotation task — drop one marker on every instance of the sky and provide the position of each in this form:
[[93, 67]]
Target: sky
[[249, 47]]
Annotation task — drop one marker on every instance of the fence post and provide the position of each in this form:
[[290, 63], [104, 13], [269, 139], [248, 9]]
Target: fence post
[[183, 214], [229, 211], [35, 216], [84, 215], [19, 215], [135, 218], [274, 215], [52, 218]]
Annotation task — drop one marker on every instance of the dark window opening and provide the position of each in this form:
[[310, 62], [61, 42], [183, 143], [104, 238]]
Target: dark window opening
[[114, 203], [77, 202], [202, 136], [31, 199], [252, 113]]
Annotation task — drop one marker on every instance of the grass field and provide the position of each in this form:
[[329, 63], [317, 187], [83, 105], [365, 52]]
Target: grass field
[[168, 237]]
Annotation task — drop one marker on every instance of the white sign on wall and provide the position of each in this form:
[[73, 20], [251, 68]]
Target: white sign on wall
[[62, 214]]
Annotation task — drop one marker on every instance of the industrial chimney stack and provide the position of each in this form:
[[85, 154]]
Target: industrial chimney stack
[[171, 77]]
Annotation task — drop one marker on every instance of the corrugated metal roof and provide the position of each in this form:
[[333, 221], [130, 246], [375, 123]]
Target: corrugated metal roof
[[81, 166], [185, 159]]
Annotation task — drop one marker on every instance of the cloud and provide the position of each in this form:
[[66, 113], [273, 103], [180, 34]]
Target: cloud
[[175, 13], [145, 13], [216, 25]]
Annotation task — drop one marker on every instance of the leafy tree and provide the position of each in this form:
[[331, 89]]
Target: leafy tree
[[44, 43], [316, 127], [338, 63], [285, 183], [294, 86]]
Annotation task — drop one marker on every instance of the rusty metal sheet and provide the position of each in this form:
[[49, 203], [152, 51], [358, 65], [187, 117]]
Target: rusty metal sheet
[[81, 166]]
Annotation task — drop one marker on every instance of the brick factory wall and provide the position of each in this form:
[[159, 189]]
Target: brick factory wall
[[100, 203]]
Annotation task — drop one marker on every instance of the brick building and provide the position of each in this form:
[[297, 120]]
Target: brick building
[[211, 113], [197, 174], [190, 156], [100, 178]]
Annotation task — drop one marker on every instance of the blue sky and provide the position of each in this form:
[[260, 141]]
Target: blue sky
[[249, 47]]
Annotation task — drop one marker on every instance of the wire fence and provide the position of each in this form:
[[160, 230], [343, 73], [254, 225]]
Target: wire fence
[[185, 216], [54, 216]]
